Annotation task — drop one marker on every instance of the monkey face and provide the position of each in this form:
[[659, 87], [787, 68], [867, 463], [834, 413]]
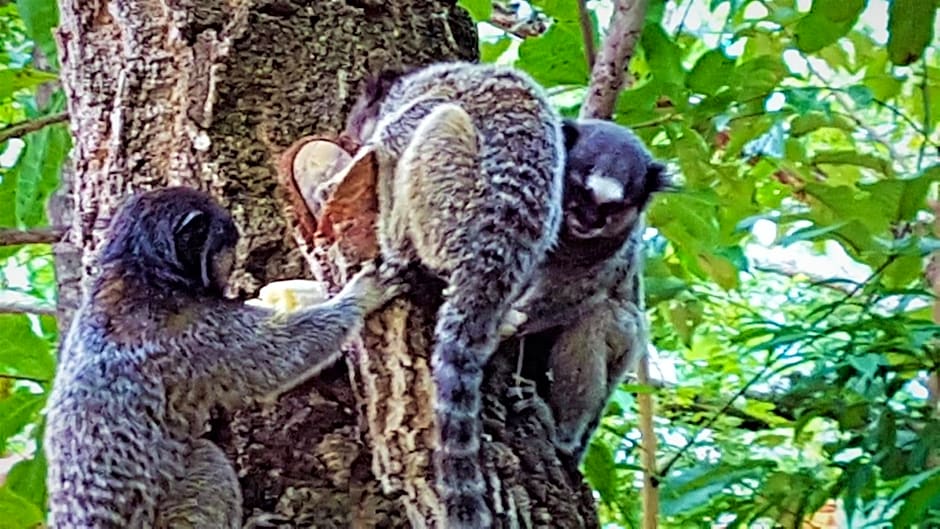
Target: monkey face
[[173, 238], [610, 178]]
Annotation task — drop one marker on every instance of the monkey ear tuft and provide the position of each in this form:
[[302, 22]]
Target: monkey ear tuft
[[191, 244], [569, 128], [656, 178]]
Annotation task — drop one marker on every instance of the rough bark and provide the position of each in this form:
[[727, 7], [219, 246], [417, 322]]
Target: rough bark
[[209, 93]]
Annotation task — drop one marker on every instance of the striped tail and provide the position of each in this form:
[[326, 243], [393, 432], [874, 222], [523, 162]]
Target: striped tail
[[466, 336]]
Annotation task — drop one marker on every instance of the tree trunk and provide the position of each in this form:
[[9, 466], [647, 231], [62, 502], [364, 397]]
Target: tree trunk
[[209, 93]]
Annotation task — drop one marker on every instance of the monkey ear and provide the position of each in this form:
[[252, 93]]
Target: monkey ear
[[569, 128], [656, 178], [191, 244]]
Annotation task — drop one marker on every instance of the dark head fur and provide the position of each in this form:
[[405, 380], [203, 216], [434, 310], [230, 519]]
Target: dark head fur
[[364, 114], [171, 239], [610, 178]]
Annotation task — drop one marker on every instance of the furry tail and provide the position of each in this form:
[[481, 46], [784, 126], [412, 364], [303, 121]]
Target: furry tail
[[467, 333]]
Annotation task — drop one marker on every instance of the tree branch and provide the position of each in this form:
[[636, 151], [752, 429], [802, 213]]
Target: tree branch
[[587, 32], [607, 75], [23, 128], [15, 378], [648, 449], [21, 306], [12, 237]]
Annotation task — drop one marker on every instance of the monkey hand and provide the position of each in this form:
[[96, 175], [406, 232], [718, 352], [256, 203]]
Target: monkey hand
[[290, 295], [374, 289]]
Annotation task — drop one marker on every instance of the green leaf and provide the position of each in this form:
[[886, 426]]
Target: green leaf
[[600, 470], [758, 77], [854, 158], [914, 192], [22, 352], [910, 29], [711, 72], [663, 54], [19, 78], [826, 22], [18, 410], [811, 121], [692, 489], [491, 51], [916, 504], [721, 270], [560, 10], [38, 172], [555, 58], [40, 18], [480, 10], [16, 512], [27, 478], [810, 233]]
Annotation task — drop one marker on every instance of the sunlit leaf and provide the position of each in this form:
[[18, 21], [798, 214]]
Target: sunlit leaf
[[922, 498], [910, 28], [38, 171], [556, 57], [18, 79], [22, 352], [711, 72], [28, 478], [600, 470], [826, 21], [40, 18], [478, 9], [16, 411], [491, 51], [17, 512]]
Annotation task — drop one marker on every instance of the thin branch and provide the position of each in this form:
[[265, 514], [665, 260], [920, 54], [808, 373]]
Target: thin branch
[[607, 76], [11, 237], [648, 449], [925, 93], [681, 27], [27, 379], [21, 306], [587, 32], [23, 128], [507, 19]]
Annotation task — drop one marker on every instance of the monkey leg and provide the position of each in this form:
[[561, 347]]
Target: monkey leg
[[208, 495], [588, 361]]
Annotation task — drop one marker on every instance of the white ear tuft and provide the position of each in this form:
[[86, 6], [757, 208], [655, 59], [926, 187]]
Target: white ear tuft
[[191, 216]]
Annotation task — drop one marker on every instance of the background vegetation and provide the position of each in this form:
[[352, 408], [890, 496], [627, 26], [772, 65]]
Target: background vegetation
[[788, 282]]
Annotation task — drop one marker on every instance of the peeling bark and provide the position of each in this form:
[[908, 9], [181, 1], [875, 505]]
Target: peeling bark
[[209, 93]]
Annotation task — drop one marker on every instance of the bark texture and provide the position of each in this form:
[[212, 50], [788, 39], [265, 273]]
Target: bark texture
[[209, 93]]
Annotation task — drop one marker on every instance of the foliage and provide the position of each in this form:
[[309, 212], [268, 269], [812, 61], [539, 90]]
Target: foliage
[[785, 280], [29, 173], [790, 313]]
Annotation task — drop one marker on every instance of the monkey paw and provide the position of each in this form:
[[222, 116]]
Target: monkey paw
[[373, 288], [290, 295], [511, 323], [265, 520]]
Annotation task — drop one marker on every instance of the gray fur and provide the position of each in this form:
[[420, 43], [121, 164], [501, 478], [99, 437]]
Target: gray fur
[[153, 348], [471, 168], [590, 286]]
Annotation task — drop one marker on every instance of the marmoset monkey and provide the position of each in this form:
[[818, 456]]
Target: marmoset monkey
[[471, 161], [588, 293], [154, 346]]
